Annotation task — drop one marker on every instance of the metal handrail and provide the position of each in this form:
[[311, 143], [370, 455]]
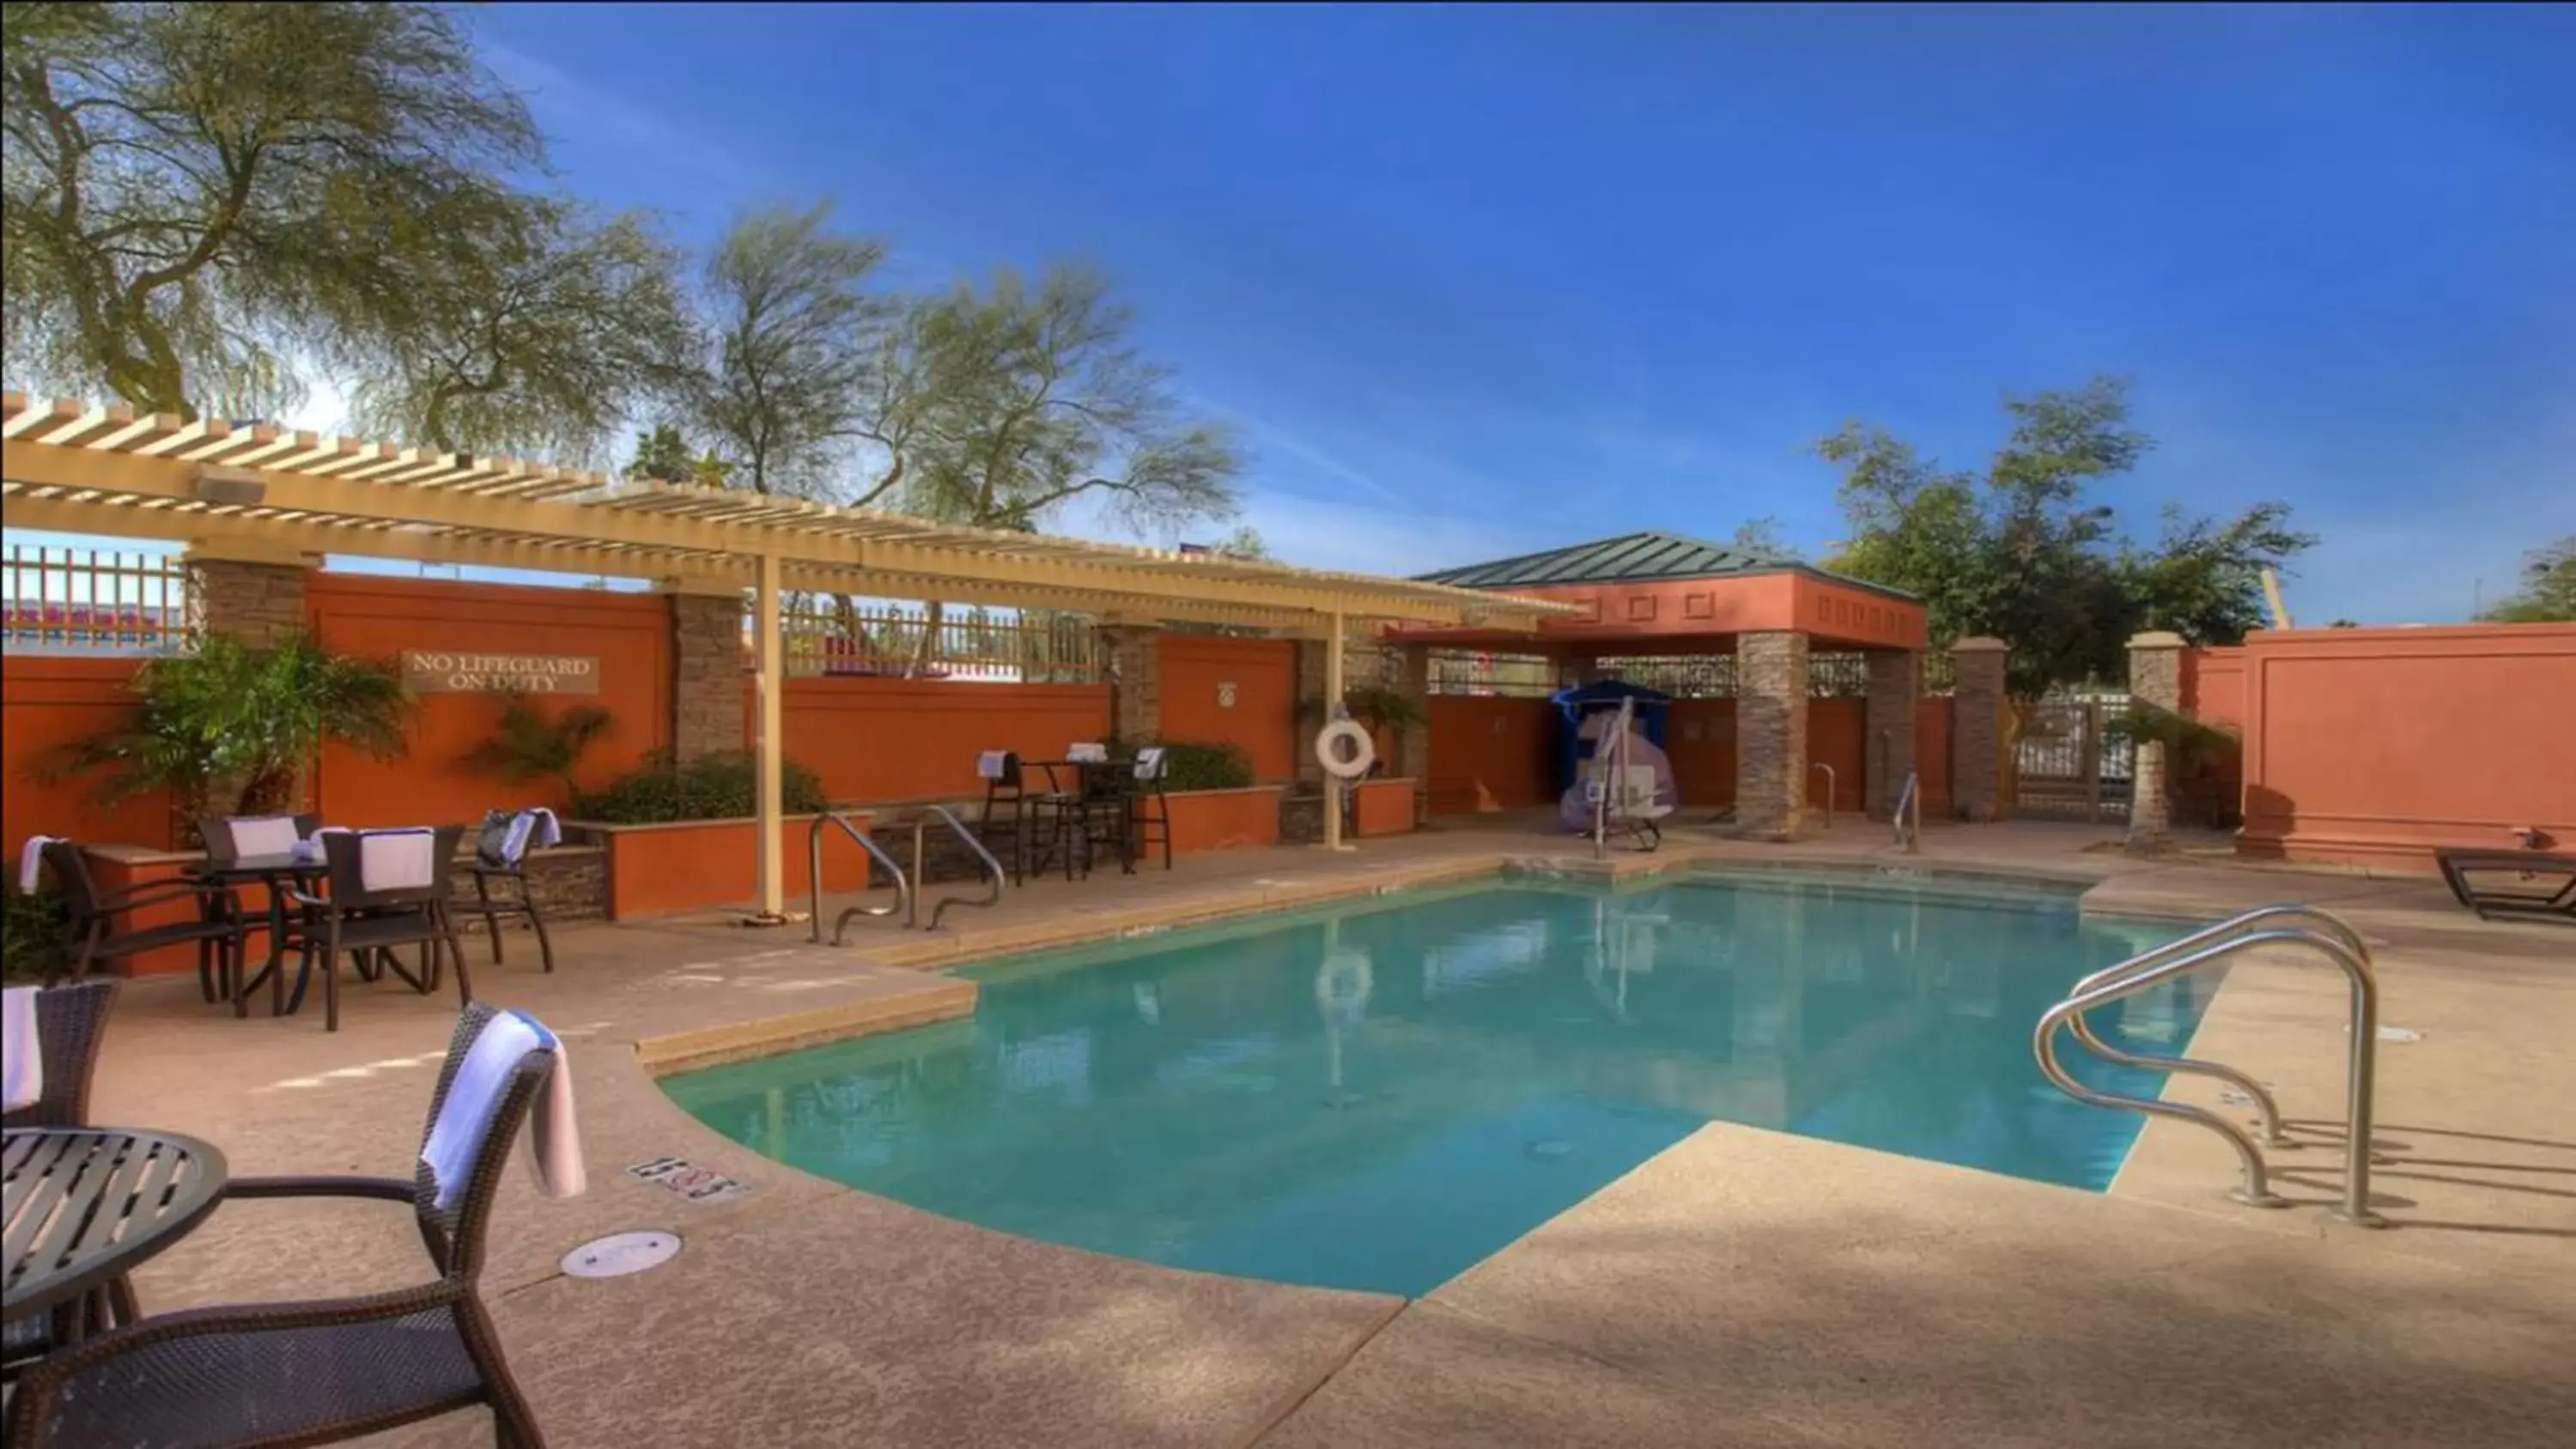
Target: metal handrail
[[991, 864], [814, 873], [2172, 961], [2264, 1103], [1833, 790], [1909, 803]]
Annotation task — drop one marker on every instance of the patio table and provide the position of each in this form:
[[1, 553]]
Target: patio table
[[1094, 782], [84, 1206], [277, 872]]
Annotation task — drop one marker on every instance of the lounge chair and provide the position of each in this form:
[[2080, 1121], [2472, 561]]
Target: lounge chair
[[315, 1371], [2515, 885]]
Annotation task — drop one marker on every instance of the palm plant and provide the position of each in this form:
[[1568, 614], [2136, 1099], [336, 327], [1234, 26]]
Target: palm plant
[[235, 725], [531, 744]]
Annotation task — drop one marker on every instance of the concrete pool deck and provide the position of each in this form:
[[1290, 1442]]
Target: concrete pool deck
[[1742, 1288]]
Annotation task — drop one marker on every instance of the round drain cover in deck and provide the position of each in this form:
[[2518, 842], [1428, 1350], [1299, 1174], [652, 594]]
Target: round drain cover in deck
[[619, 1254]]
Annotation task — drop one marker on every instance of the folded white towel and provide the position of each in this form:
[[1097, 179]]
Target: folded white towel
[[24, 1064], [397, 860], [1092, 753], [993, 764], [263, 834], [1149, 763], [474, 1094], [31, 861]]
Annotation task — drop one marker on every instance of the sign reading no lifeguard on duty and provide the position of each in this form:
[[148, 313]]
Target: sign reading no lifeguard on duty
[[439, 671]]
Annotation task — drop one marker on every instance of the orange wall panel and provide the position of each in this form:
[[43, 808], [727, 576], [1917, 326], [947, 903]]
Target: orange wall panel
[[1932, 755], [1501, 742], [2374, 746], [1263, 717], [1224, 819], [1384, 807], [1699, 739], [1836, 731], [629, 633], [912, 739], [46, 703], [656, 870]]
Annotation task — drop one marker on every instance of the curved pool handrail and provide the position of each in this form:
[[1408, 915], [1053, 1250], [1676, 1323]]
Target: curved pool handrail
[[814, 873], [2125, 980], [992, 865]]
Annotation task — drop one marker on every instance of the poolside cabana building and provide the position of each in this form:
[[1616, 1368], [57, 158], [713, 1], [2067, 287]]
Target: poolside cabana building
[[258, 506], [1658, 596]]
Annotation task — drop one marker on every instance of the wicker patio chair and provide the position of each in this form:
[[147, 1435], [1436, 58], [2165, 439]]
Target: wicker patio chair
[[71, 1023], [318, 1371], [372, 923], [495, 861], [217, 932]]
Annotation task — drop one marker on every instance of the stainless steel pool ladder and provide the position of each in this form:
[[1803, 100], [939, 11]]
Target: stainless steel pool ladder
[[814, 865], [2276, 925], [1909, 814], [992, 866]]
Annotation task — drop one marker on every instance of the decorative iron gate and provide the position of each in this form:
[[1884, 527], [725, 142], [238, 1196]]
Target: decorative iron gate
[[2065, 765]]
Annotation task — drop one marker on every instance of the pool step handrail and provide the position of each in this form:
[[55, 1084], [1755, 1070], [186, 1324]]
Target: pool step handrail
[[2318, 931], [814, 872], [1833, 790], [1909, 814], [992, 866]]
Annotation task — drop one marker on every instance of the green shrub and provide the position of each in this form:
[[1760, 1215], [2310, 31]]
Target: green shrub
[[33, 934], [711, 787], [1189, 766]]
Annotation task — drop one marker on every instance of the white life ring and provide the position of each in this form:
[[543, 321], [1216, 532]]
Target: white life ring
[[1345, 984], [1363, 750]]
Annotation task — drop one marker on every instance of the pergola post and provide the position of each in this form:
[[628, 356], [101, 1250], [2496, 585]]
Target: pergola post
[[1334, 790], [1770, 734], [771, 684]]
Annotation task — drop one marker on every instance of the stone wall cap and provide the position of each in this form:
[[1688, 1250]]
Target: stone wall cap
[[2158, 639], [1981, 645]]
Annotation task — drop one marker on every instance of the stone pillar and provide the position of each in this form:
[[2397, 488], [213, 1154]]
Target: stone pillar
[[706, 672], [1770, 734], [257, 598], [1135, 656], [1413, 742], [2155, 687], [1310, 710], [1977, 728], [1887, 739]]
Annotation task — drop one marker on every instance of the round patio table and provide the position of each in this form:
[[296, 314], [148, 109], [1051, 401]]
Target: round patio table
[[86, 1205], [279, 873]]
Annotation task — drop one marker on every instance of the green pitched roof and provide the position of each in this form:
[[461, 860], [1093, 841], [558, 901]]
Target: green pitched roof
[[1631, 558]]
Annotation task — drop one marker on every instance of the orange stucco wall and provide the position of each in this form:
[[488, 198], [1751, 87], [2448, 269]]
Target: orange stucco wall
[[907, 739], [630, 634], [1262, 715], [45, 704], [1932, 755], [655, 870], [1383, 807], [1699, 739], [1498, 741], [1836, 615], [1225, 819], [2373, 746]]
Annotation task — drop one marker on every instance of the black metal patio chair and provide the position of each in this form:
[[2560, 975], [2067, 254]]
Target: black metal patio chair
[[217, 931], [318, 1371]]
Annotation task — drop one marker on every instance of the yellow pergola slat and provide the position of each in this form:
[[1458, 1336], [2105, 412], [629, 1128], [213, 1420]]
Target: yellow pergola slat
[[78, 468]]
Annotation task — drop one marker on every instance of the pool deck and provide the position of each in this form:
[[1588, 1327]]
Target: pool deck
[[1742, 1288]]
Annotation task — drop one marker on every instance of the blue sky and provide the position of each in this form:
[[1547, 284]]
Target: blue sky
[[1480, 281]]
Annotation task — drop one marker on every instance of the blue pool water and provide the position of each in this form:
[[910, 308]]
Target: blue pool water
[[1379, 1096]]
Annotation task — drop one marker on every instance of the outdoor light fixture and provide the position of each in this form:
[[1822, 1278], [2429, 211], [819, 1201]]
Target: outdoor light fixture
[[237, 486]]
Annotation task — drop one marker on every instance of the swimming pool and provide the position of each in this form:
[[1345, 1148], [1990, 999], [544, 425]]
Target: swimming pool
[[1378, 1095]]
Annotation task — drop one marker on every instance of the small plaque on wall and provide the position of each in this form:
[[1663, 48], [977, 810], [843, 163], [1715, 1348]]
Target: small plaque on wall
[[457, 671], [1225, 694]]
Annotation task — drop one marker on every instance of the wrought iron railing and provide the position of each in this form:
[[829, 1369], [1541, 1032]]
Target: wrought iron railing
[[1469, 671], [94, 602], [824, 635]]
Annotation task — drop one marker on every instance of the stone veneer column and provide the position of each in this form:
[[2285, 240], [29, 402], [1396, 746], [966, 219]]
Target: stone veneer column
[[1413, 742], [2155, 683], [1310, 709], [258, 599], [1134, 653], [1977, 727], [1770, 734], [1887, 741], [706, 672]]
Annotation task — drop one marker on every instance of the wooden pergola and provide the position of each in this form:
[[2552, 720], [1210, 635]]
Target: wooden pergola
[[78, 468]]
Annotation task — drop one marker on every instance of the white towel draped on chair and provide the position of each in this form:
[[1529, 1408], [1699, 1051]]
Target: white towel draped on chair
[[993, 765], [1149, 763], [536, 826], [24, 1066], [31, 862], [1089, 753], [263, 834], [398, 860], [474, 1094]]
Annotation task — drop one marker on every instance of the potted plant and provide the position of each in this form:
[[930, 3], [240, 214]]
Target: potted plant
[[233, 727]]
